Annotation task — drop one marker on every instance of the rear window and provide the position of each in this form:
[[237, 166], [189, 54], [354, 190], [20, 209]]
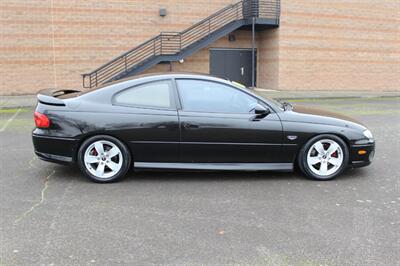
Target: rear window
[[157, 94]]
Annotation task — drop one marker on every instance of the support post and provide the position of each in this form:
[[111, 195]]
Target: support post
[[161, 41], [253, 54]]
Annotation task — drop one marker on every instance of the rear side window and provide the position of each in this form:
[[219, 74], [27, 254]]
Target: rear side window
[[157, 94]]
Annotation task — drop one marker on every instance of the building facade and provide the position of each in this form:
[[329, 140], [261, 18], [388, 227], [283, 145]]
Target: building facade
[[319, 45]]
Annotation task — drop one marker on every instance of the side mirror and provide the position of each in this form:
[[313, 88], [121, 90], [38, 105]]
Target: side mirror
[[260, 112]]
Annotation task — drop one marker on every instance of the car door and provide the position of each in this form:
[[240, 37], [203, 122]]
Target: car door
[[217, 127], [148, 119]]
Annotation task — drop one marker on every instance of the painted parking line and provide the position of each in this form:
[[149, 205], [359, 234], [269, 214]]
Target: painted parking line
[[4, 127], [4, 102]]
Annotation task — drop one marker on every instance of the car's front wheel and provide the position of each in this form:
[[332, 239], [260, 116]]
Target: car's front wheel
[[103, 158], [324, 157]]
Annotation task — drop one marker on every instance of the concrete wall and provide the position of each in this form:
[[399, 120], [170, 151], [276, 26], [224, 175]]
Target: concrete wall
[[321, 45]]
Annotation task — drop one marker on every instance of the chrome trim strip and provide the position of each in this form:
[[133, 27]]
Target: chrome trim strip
[[51, 137], [218, 166], [48, 156], [363, 145], [212, 143]]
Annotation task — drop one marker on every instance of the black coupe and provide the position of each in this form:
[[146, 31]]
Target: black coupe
[[191, 121]]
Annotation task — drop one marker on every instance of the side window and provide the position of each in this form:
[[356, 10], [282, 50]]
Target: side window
[[208, 96], [157, 94]]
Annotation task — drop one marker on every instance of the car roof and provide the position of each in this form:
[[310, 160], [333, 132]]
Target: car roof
[[157, 76], [107, 90]]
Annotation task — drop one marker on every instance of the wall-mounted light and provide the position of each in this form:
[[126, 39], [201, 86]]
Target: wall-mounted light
[[163, 12], [181, 61], [231, 37]]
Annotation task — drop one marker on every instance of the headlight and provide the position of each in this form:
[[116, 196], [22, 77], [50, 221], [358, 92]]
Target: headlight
[[368, 134]]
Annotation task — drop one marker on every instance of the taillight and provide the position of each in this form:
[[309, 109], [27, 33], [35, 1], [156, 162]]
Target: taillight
[[41, 120]]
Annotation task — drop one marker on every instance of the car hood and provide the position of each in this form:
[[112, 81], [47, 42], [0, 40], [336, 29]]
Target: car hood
[[307, 114], [320, 112]]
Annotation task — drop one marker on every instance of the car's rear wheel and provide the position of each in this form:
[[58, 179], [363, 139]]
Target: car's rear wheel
[[104, 158], [324, 157]]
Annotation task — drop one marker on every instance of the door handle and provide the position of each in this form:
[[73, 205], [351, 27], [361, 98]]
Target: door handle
[[242, 70], [190, 125]]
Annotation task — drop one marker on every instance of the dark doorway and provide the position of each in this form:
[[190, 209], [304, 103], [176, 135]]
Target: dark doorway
[[234, 64]]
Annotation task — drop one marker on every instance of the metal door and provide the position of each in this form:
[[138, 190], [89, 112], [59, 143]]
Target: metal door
[[234, 64]]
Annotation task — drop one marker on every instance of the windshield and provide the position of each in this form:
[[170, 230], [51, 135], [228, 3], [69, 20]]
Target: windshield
[[275, 103]]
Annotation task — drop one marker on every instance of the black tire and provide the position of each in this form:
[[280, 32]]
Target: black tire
[[126, 158], [302, 157]]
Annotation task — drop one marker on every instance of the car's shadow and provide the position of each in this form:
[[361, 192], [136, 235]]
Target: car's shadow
[[146, 176], [207, 176]]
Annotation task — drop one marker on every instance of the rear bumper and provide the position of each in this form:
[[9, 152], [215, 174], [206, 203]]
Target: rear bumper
[[55, 149], [360, 160], [54, 158]]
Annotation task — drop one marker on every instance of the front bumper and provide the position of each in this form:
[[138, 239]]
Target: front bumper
[[55, 149], [363, 159]]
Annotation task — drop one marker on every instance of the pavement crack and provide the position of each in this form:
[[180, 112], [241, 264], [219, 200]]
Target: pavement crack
[[48, 237], [31, 164], [42, 199]]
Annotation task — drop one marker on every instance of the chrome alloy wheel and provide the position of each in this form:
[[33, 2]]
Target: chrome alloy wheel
[[103, 159], [325, 157]]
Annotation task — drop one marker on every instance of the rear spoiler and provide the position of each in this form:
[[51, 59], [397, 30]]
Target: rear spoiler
[[50, 96]]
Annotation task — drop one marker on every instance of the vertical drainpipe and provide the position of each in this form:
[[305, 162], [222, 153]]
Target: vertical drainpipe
[[253, 52]]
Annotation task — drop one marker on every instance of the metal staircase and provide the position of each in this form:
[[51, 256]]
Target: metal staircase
[[174, 46]]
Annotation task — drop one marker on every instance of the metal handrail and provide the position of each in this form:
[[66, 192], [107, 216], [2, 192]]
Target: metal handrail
[[172, 43]]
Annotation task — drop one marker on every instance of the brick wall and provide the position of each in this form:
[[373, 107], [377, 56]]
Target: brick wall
[[339, 45], [321, 45], [199, 62], [50, 43], [267, 57]]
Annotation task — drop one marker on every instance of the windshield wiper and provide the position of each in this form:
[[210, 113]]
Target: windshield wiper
[[285, 105]]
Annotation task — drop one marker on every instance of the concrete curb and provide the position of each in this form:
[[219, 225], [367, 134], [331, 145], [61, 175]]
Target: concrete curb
[[21, 101], [326, 94], [29, 101]]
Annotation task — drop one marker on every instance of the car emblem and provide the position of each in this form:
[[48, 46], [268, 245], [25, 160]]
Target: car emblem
[[292, 137]]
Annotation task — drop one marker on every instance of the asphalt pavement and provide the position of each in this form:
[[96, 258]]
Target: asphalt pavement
[[52, 215]]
